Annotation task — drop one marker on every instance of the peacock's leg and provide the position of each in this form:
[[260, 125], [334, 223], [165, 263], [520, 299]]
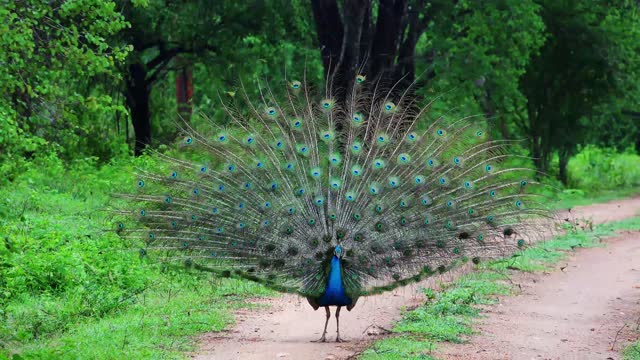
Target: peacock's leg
[[338, 339], [324, 332]]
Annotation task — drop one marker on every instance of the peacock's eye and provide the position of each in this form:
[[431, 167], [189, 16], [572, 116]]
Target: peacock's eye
[[326, 103], [388, 106]]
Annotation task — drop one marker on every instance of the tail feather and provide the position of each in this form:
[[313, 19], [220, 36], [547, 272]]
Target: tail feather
[[269, 196]]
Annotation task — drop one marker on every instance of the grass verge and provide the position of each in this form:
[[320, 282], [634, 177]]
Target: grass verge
[[448, 315], [69, 289], [571, 197]]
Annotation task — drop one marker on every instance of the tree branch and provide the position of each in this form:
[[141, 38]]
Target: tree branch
[[158, 70], [160, 62], [168, 54]]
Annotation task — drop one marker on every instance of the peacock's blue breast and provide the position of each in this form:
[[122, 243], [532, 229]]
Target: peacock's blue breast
[[334, 295]]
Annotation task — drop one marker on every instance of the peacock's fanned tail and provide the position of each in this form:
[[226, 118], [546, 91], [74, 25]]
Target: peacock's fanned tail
[[275, 191]]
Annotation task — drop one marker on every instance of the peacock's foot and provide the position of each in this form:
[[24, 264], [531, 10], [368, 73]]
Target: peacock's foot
[[339, 339], [322, 339]]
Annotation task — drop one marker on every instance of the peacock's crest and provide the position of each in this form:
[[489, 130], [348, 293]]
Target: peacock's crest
[[273, 194]]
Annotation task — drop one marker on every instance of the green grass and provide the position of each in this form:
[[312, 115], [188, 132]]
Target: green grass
[[158, 323], [596, 169], [572, 197], [70, 289], [448, 315], [632, 352], [400, 347]]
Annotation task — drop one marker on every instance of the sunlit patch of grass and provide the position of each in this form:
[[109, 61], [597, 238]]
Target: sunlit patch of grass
[[448, 314], [400, 347]]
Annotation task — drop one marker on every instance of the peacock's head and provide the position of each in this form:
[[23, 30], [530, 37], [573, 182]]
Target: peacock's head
[[338, 251]]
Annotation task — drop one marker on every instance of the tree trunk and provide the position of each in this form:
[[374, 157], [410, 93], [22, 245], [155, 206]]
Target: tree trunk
[[537, 154], [406, 56], [350, 57], [564, 155], [184, 91], [391, 16], [138, 91], [330, 31], [352, 43]]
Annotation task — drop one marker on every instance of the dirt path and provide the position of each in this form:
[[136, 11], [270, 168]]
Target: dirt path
[[286, 328], [574, 313]]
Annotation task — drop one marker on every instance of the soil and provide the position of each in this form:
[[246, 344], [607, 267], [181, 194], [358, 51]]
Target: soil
[[578, 311], [588, 308]]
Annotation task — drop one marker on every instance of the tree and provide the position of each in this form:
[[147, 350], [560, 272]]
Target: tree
[[213, 34], [377, 39], [478, 49], [586, 70], [159, 33], [55, 60]]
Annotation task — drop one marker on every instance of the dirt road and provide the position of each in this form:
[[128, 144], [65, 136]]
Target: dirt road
[[286, 328], [587, 310]]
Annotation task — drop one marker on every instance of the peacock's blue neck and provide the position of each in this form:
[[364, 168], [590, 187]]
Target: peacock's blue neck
[[335, 275], [334, 294]]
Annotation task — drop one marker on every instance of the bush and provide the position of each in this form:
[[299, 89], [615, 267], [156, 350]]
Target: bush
[[55, 257], [596, 168]]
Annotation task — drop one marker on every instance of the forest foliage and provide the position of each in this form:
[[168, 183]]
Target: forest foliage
[[103, 78]]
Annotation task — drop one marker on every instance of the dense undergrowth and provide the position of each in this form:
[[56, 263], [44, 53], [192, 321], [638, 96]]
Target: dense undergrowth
[[598, 169], [70, 287]]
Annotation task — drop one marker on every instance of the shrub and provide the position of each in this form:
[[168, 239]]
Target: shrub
[[596, 168]]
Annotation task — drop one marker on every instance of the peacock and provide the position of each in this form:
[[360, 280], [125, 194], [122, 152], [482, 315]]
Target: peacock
[[334, 194]]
